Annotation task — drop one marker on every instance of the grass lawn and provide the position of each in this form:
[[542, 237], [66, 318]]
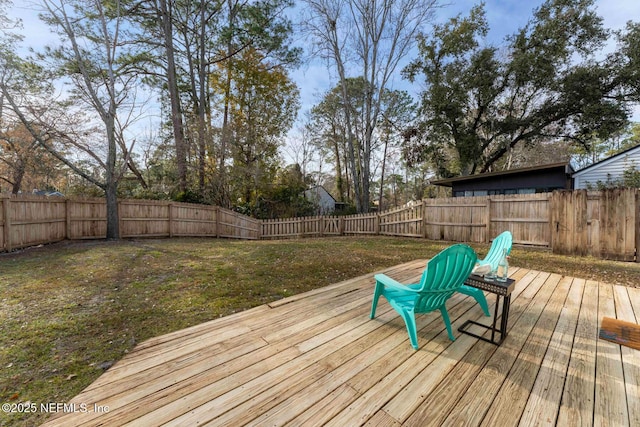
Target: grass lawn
[[70, 310]]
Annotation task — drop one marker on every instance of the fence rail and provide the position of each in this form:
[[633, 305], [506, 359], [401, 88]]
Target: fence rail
[[604, 224]]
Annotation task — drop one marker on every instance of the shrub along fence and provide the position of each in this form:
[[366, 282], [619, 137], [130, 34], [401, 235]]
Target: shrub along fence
[[604, 224]]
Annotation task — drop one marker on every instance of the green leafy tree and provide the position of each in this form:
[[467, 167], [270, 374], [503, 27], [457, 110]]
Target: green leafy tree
[[631, 177], [190, 43], [630, 139], [263, 105], [284, 198], [481, 101], [602, 148]]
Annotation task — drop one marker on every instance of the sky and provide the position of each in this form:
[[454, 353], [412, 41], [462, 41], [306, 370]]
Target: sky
[[505, 17]]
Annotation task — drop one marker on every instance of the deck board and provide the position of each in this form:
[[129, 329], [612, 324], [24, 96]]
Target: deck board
[[317, 359], [576, 407], [630, 356], [544, 400], [610, 398]]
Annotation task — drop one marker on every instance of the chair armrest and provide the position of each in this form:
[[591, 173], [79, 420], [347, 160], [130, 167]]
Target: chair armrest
[[392, 283]]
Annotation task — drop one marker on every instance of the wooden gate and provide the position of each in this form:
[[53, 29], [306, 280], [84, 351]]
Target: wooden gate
[[568, 218], [603, 223]]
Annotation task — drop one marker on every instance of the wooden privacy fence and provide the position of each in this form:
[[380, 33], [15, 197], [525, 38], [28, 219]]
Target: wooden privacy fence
[[464, 219], [28, 221], [311, 226], [604, 224]]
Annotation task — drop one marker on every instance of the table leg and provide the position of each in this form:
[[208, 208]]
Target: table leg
[[506, 302], [505, 317], [495, 319]]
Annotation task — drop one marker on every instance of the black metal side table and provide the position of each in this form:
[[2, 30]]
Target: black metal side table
[[500, 289]]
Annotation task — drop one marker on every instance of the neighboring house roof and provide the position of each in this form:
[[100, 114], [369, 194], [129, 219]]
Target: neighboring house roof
[[317, 189], [521, 171], [324, 201], [633, 151], [48, 193]]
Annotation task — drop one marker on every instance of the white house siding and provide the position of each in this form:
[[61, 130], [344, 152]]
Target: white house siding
[[607, 170]]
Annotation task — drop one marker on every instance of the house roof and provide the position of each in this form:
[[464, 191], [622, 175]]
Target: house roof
[[450, 181], [318, 188], [608, 160], [48, 193]]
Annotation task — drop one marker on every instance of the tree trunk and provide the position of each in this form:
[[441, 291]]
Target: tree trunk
[[357, 188], [339, 179], [203, 103], [223, 196], [113, 220], [384, 161], [174, 96], [18, 175]]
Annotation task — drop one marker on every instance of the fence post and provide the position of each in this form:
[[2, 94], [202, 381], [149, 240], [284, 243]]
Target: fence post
[[216, 212], [170, 219], [423, 224], [551, 208], [120, 220], [637, 226], [341, 226], [67, 208], [376, 224], [6, 201], [487, 234], [259, 231]]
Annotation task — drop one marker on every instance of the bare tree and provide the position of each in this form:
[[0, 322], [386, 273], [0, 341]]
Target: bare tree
[[94, 61], [377, 35], [300, 146]]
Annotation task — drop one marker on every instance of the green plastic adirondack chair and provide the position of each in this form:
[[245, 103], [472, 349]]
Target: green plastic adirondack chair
[[444, 275], [503, 241]]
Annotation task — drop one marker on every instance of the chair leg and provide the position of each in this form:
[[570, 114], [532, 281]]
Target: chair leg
[[410, 321], [376, 296], [478, 295], [447, 322]]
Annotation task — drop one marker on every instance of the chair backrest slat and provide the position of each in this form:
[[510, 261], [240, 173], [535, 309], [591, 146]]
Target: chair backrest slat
[[447, 270], [503, 241]]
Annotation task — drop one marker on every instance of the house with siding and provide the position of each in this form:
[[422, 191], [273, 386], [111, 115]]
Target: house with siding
[[607, 171], [322, 200], [529, 180]]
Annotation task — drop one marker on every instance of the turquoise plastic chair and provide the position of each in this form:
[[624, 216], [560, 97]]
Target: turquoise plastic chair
[[503, 241], [443, 276]]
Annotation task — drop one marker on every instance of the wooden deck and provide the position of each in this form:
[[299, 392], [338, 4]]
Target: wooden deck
[[317, 359]]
